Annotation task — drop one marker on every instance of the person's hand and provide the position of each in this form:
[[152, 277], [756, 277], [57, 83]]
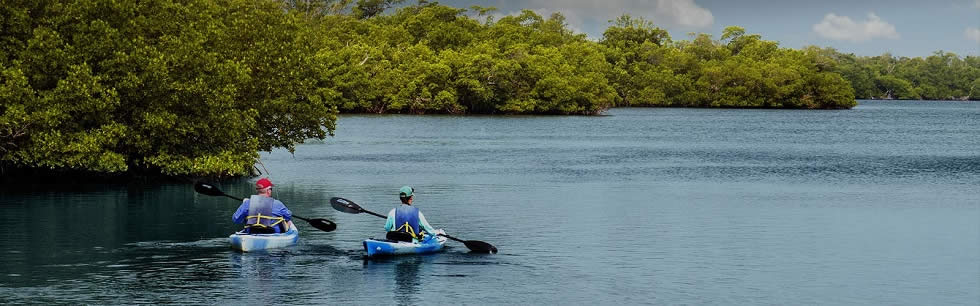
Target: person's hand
[[440, 231]]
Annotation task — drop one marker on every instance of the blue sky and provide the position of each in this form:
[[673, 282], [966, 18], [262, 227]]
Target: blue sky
[[863, 27]]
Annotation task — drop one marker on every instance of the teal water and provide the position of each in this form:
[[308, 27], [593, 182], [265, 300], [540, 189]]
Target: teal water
[[875, 205]]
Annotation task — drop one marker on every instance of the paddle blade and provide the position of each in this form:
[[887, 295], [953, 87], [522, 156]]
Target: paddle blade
[[480, 246], [207, 189], [345, 205], [322, 224]]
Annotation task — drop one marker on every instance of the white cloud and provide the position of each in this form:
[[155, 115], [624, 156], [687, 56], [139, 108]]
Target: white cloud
[[843, 28], [972, 33], [684, 13]]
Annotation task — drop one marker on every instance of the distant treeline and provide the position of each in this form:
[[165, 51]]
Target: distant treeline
[[430, 58], [198, 87], [941, 76]]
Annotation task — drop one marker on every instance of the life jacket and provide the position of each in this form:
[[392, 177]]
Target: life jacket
[[261, 216], [407, 221]]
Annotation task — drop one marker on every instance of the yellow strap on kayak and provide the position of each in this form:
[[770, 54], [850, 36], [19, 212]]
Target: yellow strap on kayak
[[409, 230], [259, 218]]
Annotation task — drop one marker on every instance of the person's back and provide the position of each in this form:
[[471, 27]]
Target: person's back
[[263, 214], [407, 218]]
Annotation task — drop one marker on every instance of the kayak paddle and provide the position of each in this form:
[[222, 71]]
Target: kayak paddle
[[350, 207], [208, 189]]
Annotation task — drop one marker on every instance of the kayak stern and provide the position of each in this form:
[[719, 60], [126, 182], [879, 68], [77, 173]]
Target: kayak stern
[[245, 242], [384, 247]]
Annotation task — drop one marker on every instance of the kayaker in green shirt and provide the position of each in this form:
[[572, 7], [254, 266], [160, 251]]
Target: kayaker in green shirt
[[408, 219]]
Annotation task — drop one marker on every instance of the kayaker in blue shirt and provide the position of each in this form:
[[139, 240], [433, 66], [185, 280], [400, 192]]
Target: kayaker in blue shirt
[[408, 219], [263, 214]]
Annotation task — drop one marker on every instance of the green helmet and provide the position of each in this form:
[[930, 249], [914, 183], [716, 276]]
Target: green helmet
[[406, 192]]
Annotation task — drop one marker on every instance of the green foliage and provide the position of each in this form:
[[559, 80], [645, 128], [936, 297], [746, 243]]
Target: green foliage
[[178, 88], [370, 8], [430, 58], [941, 76], [316, 8], [739, 71], [628, 32]]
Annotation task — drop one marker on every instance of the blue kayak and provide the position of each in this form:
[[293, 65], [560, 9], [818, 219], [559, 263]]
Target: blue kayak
[[246, 242], [385, 247]]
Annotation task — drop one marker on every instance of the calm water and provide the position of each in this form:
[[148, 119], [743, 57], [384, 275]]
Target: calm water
[[875, 205]]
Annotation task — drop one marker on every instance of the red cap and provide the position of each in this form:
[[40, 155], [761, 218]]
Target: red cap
[[263, 183]]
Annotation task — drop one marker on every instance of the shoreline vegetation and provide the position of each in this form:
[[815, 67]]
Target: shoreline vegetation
[[196, 88]]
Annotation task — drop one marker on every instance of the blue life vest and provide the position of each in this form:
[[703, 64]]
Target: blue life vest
[[261, 214], [407, 220]]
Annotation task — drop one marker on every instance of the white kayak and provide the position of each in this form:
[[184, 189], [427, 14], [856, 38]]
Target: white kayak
[[246, 242]]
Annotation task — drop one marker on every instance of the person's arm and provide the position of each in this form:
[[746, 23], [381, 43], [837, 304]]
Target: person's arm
[[390, 224], [241, 213], [284, 211], [425, 224]]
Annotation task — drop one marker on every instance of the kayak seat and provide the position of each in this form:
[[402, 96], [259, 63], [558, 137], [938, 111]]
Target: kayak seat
[[399, 236], [260, 230]]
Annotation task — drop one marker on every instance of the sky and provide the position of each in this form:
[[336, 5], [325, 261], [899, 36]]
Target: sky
[[862, 27]]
